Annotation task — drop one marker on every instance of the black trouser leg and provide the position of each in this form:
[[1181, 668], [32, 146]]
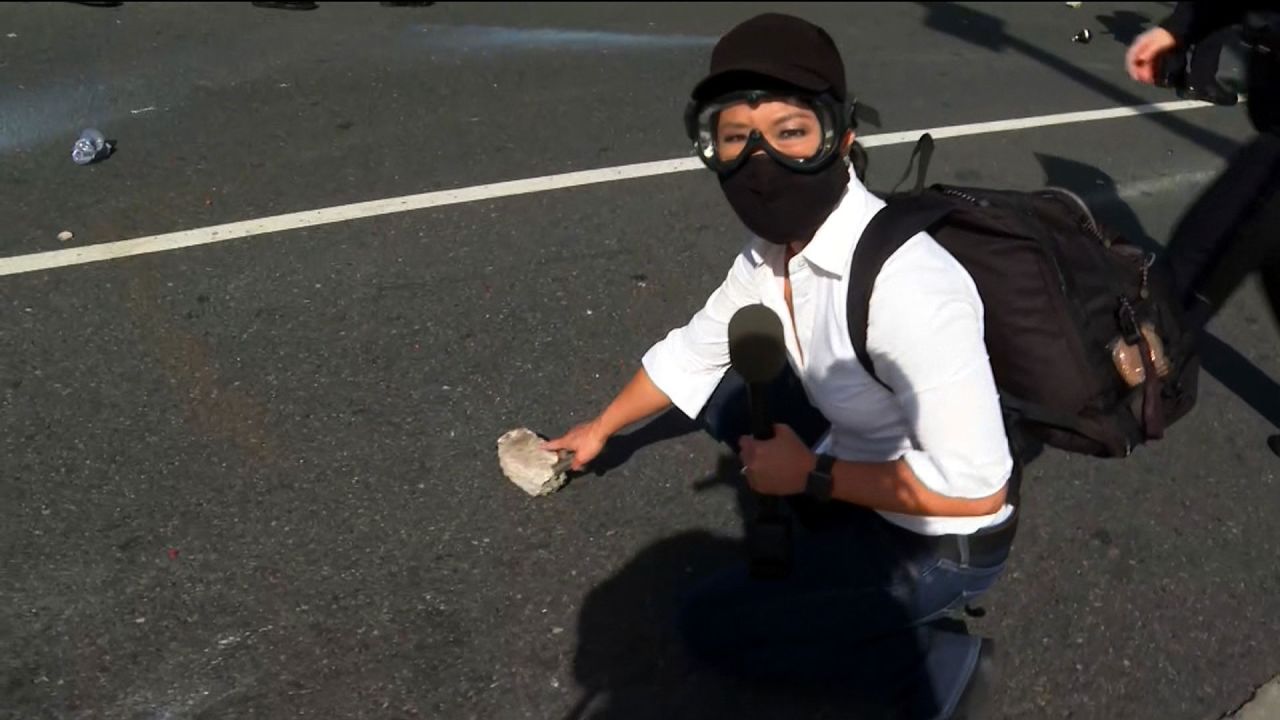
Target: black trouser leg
[[1221, 239]]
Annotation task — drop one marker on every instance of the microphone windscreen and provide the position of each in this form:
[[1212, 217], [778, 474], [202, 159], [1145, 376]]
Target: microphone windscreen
[[757, 347]]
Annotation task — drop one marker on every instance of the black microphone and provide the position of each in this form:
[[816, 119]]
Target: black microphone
[[757, 351]]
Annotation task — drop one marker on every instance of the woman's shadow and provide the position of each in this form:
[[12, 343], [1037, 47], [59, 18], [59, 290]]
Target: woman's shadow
[[630, 660]]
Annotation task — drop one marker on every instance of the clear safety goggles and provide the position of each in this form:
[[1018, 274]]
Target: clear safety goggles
[[801, 133]]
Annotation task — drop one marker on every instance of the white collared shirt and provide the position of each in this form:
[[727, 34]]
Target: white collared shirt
[[925, 339]]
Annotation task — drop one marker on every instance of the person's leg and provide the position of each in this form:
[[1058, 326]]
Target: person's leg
[[1264, 86], [857, 613], [727, 417], [1205, 254], [863, 607], [1202, 82], [1256, 241], [1271, 286]]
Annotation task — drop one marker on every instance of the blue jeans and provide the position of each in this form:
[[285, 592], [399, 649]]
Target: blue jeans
[[866, 610]]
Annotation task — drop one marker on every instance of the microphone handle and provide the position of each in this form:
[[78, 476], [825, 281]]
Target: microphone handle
[[762, 429], [771, 549], [761, 420]]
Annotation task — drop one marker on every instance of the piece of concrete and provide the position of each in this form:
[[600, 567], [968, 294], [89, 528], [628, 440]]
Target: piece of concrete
[[1264, 705], [525, 463]]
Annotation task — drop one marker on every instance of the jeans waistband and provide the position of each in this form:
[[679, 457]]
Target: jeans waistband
[[987, 547]]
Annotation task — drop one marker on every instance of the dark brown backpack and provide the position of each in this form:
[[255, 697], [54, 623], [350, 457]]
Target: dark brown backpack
[[1059, 291]]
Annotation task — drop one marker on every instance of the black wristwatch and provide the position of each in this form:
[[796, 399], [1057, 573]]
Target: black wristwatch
[[819, 483]]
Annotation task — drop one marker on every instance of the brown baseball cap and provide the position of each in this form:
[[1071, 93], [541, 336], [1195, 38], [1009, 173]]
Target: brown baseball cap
[[774, 47]]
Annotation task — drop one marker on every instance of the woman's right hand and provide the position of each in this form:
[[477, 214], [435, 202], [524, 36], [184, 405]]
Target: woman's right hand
[[585, 441], [1145, 53]]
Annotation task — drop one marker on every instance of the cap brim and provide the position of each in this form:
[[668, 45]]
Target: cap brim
[[747, 76]]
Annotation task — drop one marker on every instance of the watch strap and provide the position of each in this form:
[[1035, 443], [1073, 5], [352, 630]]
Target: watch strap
[[818, 484]]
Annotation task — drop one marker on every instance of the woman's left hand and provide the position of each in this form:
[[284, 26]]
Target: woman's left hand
[[780, 466]]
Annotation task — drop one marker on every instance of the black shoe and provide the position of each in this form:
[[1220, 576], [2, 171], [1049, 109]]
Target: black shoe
[[1210, 92], [975, 701]]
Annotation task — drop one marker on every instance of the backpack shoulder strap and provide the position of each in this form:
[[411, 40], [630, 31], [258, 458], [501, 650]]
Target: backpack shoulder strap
[[892, 226]]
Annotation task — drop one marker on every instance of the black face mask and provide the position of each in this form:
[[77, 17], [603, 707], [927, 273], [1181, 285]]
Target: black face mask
[[782, 205]]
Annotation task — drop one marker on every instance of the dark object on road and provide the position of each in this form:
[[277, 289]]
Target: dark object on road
[[1084, 37], [1273, 442], [287, 5]]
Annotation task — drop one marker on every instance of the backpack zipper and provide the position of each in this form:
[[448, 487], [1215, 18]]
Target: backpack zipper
[[1128, 321], [1095, 231], [1088, 223], [964, 196]]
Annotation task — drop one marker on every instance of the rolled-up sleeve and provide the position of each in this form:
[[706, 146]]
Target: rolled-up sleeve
[[690, 361], [925, 337]]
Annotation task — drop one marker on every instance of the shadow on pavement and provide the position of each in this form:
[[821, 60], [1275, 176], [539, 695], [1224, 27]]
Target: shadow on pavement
[[669, 425], [1124, 25], [1244, 379], [631, 660], [988, 31]]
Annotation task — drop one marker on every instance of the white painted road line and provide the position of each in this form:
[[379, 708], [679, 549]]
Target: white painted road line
[[1161, 185], [995, 126], [355, 211]]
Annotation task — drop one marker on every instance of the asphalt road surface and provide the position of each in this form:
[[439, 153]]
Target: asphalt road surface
[[256, 478]]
